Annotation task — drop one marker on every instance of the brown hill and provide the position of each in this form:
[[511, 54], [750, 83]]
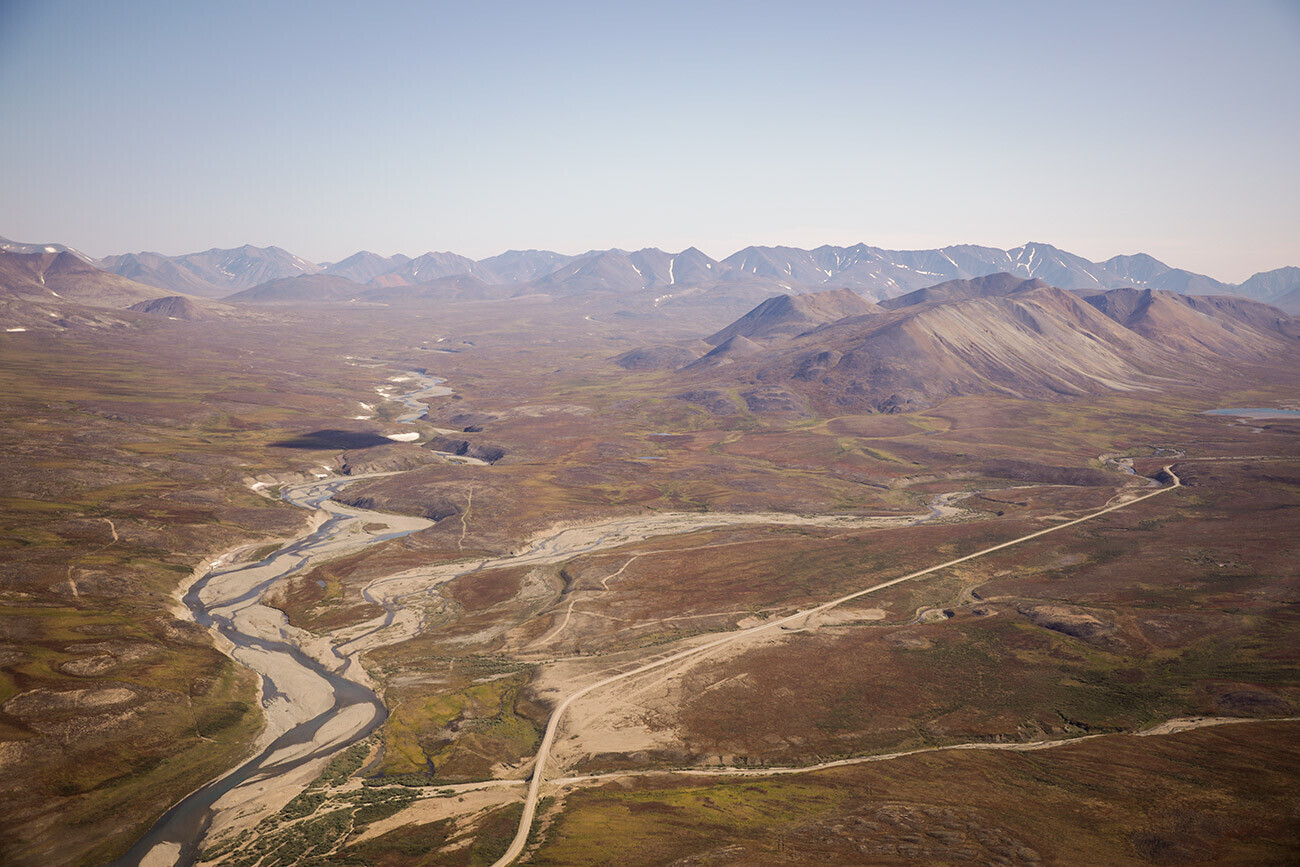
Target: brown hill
[[1232, 327], [174, 307], [1003, 335], [48, 276], [788, 315], [1038, 342], [660, 357]]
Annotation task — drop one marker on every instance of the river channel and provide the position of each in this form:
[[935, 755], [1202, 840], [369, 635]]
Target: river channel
[[317, 699]]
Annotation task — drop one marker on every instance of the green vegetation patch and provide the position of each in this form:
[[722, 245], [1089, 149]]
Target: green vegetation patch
[[1193, 797], [460, 734], [344, 765]]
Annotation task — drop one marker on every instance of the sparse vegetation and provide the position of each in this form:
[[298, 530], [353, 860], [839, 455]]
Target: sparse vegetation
[[1187, 596]]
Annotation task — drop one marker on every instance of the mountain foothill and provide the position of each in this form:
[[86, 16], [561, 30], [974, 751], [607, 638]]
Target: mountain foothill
[[996, 335]]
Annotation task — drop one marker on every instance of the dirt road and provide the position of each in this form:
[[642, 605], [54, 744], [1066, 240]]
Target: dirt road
[[553, 724]]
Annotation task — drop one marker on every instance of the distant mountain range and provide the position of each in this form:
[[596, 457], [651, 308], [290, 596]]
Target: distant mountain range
[[875, 273], [212, 273], [872, 272]]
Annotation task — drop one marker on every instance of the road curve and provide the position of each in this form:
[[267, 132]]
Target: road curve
[[553, 724]]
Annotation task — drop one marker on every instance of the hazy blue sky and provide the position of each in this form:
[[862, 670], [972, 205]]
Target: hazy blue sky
[[1167, 127]]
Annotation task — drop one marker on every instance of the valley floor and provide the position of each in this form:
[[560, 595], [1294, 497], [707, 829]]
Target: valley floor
[[609, 626]]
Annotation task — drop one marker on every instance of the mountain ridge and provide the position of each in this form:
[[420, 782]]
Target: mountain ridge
[[212, 273], [65, 276], [789, 315], [998, 335], [874, 272]]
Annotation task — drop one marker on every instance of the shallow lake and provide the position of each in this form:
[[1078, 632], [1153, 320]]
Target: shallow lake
[[1258, 412]]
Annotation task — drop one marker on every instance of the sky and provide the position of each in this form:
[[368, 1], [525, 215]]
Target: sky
[[1171, 128]]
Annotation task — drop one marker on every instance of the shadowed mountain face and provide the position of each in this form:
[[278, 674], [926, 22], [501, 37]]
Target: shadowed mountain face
[[995, 335]]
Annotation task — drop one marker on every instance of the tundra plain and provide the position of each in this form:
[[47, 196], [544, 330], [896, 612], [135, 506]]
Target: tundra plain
[[586, 521]]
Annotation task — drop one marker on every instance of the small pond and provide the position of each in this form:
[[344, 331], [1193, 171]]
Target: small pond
[[1258, 412]]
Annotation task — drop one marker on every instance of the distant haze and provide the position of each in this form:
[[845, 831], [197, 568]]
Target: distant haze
[[324, 128]]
